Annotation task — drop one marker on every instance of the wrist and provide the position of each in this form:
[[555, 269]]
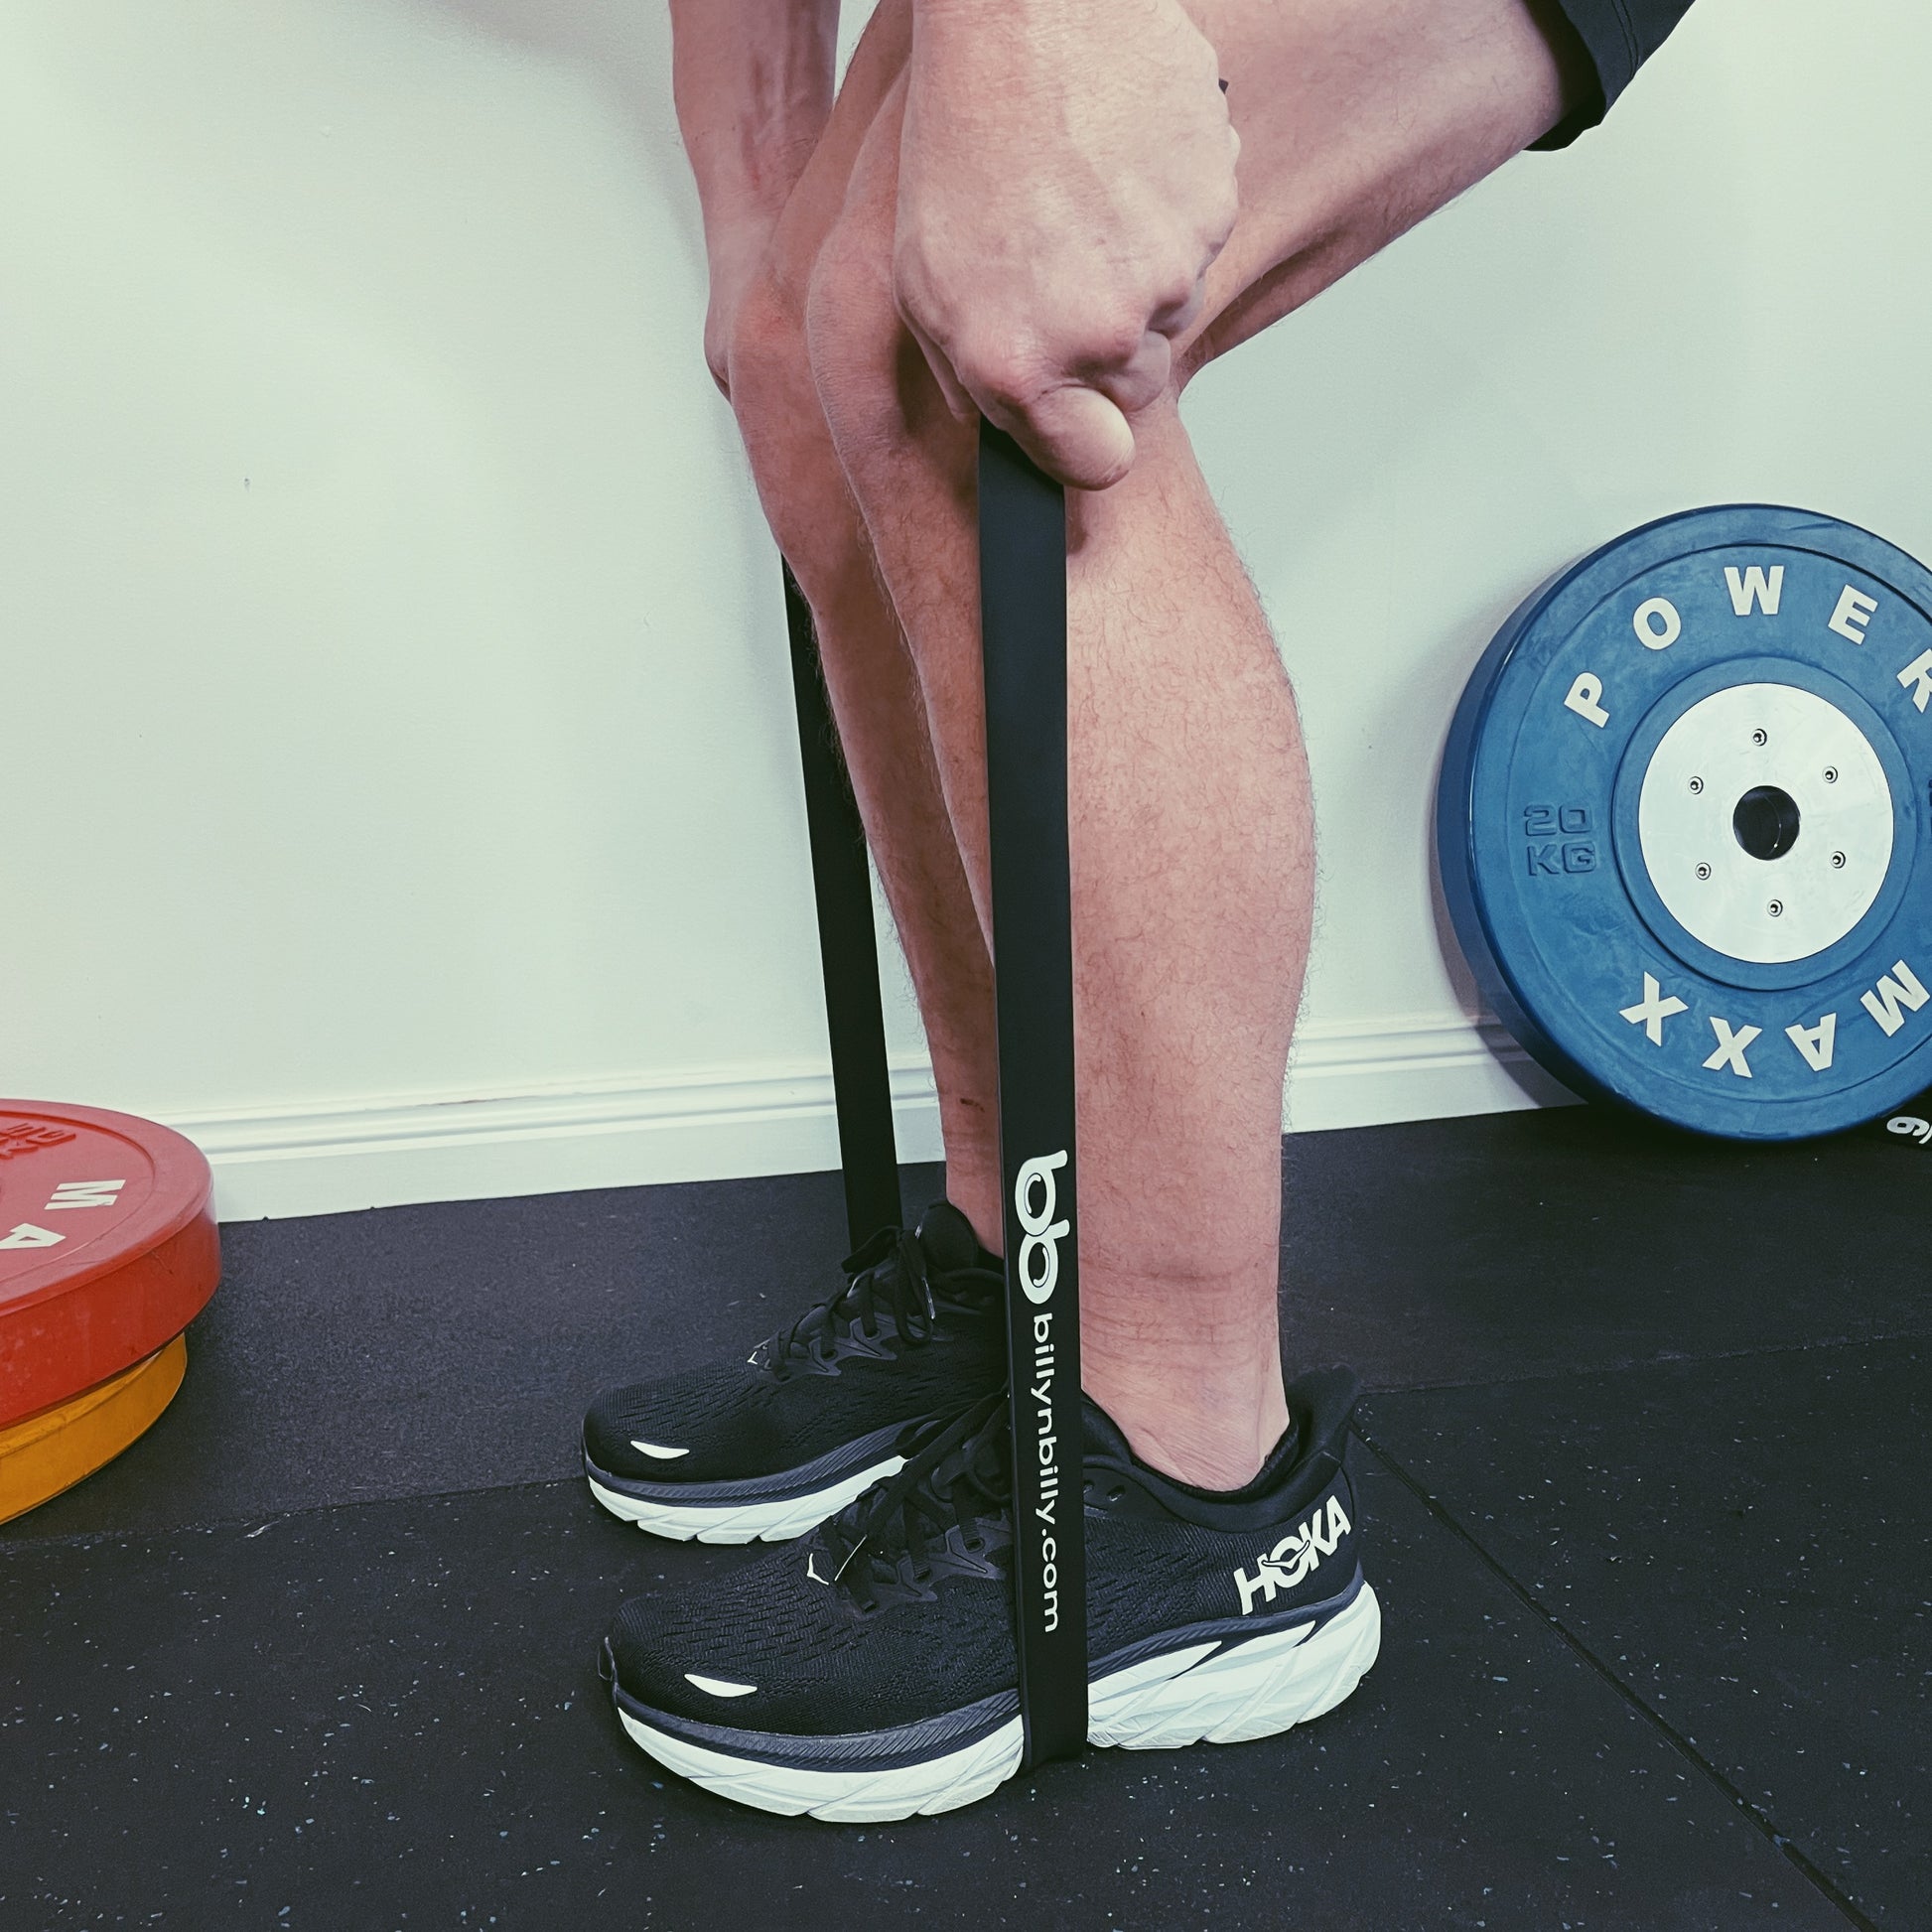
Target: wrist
[[753, 152], [752, 81], [748, 177]]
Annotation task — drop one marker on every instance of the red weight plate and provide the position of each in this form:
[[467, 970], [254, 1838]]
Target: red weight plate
[[107, 1247]]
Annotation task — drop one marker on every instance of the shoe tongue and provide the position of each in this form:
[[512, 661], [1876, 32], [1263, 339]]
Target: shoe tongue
[[947, 1237]]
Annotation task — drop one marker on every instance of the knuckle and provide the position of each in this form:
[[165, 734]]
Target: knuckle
[[1180, 288], [1178, 293], [1129, 334], [1228, 206], [1212, 217], [1115, 339], [1176, 318], [1003, 385], [997, 369]]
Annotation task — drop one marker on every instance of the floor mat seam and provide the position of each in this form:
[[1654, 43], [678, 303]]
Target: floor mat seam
[[1755, 1816]]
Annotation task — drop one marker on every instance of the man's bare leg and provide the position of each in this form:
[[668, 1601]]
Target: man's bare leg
[[1191, 819], [1191, 830], [773, 177]]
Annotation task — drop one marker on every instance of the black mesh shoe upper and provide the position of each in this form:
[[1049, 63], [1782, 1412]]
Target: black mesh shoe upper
[[900, 1609], [914, 1332]]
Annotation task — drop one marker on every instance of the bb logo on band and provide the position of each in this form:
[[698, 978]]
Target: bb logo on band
[[1039, 1251]]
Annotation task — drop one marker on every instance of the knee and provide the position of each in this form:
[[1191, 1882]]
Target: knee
[[878, 399], [794, 466], [768, 373]]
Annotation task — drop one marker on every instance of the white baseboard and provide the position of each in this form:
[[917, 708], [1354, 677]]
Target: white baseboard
[[709, 1124], [718, 1123], [1409, 1066]]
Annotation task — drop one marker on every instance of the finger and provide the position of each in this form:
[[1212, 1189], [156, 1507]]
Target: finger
[[1074, 434], [962, 406], [1173, 318], [1136, 385]]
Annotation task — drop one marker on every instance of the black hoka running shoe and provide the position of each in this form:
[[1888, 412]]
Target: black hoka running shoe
[[769, 1445], [868, 1671]]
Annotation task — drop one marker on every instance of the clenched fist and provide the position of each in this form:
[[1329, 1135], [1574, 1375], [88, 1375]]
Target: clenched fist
[[1067, 176]]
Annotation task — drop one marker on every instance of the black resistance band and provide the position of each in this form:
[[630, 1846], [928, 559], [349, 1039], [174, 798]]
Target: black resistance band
[[1022, 634], [848, 947], [1023, 622]]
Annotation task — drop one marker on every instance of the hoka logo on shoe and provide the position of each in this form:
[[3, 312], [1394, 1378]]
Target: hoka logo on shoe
[[1298, 1552]]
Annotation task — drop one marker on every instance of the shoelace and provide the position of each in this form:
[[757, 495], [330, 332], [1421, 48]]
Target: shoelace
[[889, 1275], [962, 1471]]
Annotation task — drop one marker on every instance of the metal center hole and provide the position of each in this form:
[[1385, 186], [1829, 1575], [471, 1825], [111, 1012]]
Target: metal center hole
[[1766, 822]]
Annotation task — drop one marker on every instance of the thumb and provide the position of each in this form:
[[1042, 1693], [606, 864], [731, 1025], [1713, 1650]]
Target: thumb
[[1076, 435]]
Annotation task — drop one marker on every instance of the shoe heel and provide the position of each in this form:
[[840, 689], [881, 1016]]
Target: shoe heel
[[1255, 1689]]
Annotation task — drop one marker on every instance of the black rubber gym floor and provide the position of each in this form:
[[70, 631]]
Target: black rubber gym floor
[[1646, 1466]]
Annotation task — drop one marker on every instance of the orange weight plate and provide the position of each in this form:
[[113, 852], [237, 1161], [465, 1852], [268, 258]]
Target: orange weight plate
[[107, 1247], [51, 1452]]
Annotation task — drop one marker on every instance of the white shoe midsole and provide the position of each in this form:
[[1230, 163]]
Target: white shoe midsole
[[1195, 1695], [743, 1522]]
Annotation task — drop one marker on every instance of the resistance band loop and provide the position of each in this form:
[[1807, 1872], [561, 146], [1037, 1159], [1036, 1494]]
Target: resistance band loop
[[848, 947], [1023, 629]]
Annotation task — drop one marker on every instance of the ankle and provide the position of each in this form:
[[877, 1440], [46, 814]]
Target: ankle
[[975, 1191], [1209, 1425]]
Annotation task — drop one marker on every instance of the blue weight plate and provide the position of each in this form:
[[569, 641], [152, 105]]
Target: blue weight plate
[[1685, 823]]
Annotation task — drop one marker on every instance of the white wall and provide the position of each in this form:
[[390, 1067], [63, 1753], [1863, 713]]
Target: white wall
[[401, 788]]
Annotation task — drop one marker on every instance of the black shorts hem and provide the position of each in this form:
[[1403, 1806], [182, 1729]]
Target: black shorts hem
[[1618, 37]]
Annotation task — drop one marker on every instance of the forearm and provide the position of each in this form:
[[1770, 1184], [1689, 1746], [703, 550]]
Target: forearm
[[752, 81]]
